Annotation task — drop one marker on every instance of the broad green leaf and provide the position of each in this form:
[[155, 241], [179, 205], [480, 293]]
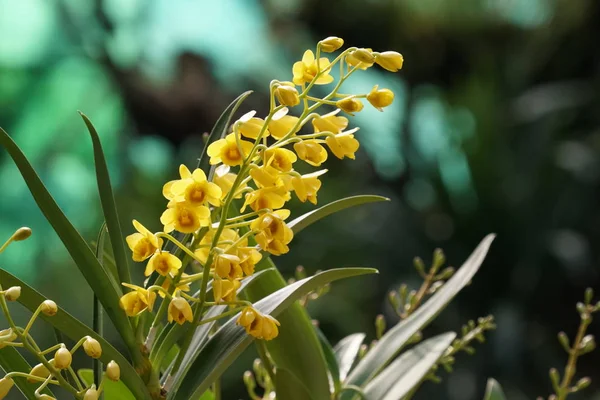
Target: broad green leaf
[[230, 340], [346, 351], [288, 387], [112, 390], [332, 363], [75, 330], [406, 372], [396, 338], [109, 208], [311, 217], [208, 395], [493, 391], [219, 131], [96, 276], [297, 348], [11, 360]]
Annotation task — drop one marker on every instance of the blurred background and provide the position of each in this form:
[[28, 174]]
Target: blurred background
[[495, 128]]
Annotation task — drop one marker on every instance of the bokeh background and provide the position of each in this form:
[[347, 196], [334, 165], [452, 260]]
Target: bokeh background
[[495, 128]]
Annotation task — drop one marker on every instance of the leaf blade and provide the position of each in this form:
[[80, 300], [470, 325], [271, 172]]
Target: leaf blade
[[493, 391], [346, 351], [112, 390], [289, 387]]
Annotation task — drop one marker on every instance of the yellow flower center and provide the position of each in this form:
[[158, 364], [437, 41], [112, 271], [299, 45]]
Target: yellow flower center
[[233, 154], [195, 193], [186, 218]]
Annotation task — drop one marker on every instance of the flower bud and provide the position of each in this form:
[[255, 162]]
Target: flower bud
[[287, 95], [332, 43], [249, 381], [21, 234], [113, 371], [92, 347], [91, 394], [563, 339], [379, 326], [5, 385], [46, 397], [62, 358], [380, 98], [350, 105], [40, 371], [583, 383], [390, 60], [364, 55], [6, 336], [12, 293], [49, 308]]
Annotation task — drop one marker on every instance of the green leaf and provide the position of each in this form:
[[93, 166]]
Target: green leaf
[[109, 207], [313, 216], [219, 131], [346, 351], [11, 360], [493, 391], [75, 330], [407, 371], [112, 390], [396, 338], [98, 279], [332, 363], [230, 340], [288, 387]]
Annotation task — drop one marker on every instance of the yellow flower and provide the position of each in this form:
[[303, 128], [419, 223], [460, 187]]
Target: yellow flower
[[143, 243], [282, 126], [251, 128], [180, 310], [287, 95], [193, 188], [137, 301], [224, 179], [343, 145], [272, 234], [330, 123], [269, 329], [225, 289], [162, 262], [184, 217], [350, 105], [169, 280], [258, 325], [7, 336], [228, 266], [92, 347], [364, 56], [5, 385], [307, 186], [307, 69], [353, 60], [331, 43], [380, 98], [311, 152], [249, 257], [227, 152], [265, 176], [280, 159], [268, 197], [390, 60], [247, 317]]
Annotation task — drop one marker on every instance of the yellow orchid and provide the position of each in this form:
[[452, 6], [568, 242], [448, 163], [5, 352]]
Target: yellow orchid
[[280, 159], [184, 217], [179, 311], [343, 145], [162, 262], [193, 188], [227, 151], [287, 95], [352, 59], [390, 60], [249, 257], [166, 284], [225, 289], [251, 127], [311, 151], [307, 69], [268, 197], [137, 301], [265, 176], [258, 325], [227, 235], [282, 126], [350, 105], [224, 179], [143, 243], [307, 186], [330, 123], [228, 266], [380, 98], [272, 234]]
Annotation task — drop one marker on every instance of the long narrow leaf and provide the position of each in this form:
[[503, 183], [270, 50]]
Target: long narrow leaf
[[96, 276], [346, 351], [109, 207], [230, 340], [493, 391], [396, 338], [289, 387], [313, 216], [75, 330], [332, 364], [10, 361], [408, 370]]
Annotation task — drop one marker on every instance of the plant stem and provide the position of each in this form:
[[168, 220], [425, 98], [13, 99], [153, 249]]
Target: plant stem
[[571, 367], [263, 353]]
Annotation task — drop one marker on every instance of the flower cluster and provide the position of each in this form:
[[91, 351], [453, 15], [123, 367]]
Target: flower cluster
[[231, 219]]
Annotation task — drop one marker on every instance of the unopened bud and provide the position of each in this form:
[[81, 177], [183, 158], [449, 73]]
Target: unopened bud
[[390, 60], [394, 299], [350, 105], [287, 95], [379, 326], [587, 344], [113, 371], [362, 350], [445, 274], [581, 309], [583, 383], [364, 55], [5, 385], [420, 266], [21, 234], [438, 258], [92, 347], [249, 381], [46, 397], [564, 341], [12, 293], [91, 394], [6, 336], [39, 371], [330, 44], [62, 358], [49, 308], [555, 378], [300, 272], [589, 295]]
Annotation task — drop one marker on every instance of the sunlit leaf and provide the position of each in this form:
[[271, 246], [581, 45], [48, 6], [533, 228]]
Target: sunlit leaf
[[493, 391], [346, 351], [112, 390], [408, 370], [396, 338], [230, 340], [332, 363]]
